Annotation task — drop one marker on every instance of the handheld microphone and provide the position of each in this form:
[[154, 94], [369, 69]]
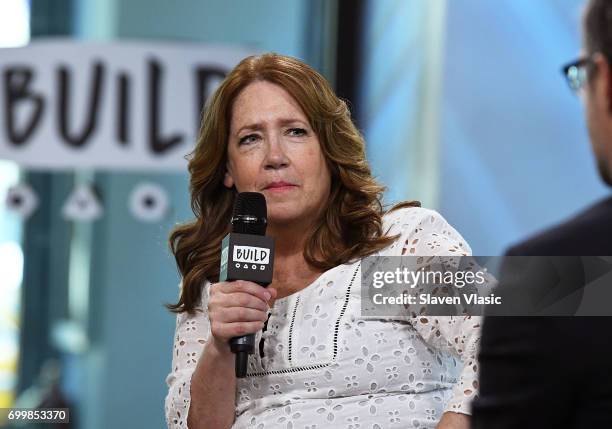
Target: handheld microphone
[[247, 254]]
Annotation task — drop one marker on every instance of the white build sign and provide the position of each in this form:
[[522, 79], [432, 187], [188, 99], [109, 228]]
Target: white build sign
[[124, 105]]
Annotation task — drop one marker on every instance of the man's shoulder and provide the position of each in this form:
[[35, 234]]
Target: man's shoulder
[[588, 233]]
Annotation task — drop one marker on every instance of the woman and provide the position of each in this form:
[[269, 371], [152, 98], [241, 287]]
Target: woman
[[275, 126]]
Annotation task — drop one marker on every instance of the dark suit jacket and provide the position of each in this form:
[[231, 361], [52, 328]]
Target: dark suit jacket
[[550, 372]]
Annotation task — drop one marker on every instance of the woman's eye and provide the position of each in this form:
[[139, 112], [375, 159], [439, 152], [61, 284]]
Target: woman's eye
[[251, 138], [297, 132]]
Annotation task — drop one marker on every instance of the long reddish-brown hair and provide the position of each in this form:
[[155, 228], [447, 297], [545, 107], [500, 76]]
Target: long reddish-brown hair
[[351, 224]]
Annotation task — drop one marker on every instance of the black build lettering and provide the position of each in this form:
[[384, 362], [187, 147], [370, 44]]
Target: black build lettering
[[263, 254], [63, 105], [123, 108], [158, 144], [16, 82]]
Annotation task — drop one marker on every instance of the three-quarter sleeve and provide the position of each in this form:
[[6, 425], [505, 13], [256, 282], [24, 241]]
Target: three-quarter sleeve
[[192, 332], [458, 335]]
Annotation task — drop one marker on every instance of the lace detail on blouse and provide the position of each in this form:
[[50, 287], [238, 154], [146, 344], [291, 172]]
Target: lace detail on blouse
[[323, 365]]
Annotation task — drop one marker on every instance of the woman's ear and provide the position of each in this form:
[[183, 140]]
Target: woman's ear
[[228, 180]]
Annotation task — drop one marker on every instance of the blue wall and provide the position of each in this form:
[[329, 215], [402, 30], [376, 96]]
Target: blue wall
[[516, 155], [513, 154]]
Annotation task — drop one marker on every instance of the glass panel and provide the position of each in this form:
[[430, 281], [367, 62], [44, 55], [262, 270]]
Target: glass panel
[[11, 271], [14, 31]]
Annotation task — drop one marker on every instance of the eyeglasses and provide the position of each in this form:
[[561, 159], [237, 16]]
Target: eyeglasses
[[576, 73]]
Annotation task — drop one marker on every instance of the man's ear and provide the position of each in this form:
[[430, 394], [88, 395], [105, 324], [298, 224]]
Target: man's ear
[[602, 82]]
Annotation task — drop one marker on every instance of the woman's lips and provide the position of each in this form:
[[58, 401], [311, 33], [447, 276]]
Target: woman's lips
[[279, 186]]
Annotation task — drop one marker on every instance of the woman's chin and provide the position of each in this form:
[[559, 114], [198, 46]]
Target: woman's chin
[[275, 218], [283, 214]]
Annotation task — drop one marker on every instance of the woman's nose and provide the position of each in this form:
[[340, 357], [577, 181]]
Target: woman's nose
[[276, 157]]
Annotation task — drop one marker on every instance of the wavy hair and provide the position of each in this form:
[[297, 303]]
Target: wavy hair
[[351, 224]]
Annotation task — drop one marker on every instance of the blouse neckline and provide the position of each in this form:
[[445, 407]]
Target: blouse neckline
[[314, 282]]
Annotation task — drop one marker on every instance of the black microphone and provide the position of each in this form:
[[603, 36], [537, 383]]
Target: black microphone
[[247, 254]]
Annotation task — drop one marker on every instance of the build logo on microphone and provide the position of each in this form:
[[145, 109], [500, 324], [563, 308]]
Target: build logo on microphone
[[247, 257], [251, 257]]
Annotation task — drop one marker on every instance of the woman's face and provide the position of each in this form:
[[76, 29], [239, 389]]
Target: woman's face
[[273, 150]]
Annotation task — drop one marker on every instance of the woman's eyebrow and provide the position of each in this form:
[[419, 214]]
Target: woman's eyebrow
[[250, 127], [258, 126], [289, 121]]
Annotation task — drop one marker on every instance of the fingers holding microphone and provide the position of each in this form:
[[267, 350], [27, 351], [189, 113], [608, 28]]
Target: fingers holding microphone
[[238, 308]]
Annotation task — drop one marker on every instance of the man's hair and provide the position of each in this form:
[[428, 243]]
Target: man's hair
[[598, 27]]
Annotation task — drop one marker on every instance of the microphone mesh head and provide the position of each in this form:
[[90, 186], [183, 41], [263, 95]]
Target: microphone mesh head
[[250, 213], [251, 204]]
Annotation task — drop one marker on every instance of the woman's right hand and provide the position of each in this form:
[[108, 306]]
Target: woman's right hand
[[237, 308]]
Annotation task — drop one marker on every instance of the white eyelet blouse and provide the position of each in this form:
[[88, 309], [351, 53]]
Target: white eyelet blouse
[[320, 364]]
